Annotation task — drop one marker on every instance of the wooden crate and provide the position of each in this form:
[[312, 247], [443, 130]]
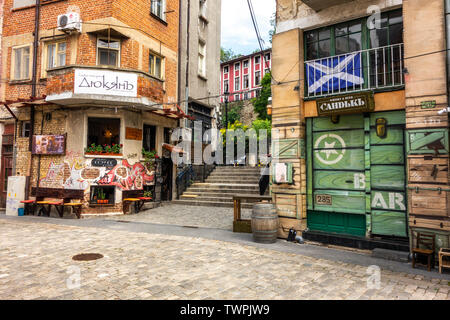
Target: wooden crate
[[429, 202], [430, 169], [428, 223]]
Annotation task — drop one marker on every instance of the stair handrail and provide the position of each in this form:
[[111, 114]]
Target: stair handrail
[[184, 180]]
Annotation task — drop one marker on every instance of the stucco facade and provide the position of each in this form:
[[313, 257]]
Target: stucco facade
[[200, 32]]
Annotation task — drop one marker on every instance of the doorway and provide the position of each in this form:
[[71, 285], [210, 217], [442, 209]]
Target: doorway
[[167, 175], [357, 175], [6, 161]]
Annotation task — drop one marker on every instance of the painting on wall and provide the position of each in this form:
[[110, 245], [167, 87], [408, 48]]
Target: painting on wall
[[75, 173], [49, 144]]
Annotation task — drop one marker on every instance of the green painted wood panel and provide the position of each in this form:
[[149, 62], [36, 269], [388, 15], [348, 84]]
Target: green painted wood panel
[[342, 201], [393, 136], [388, 200], [339, 180], [337, 223], [387, 155], [354, 121], [309, 169], [392, 117], [384, 177], [389, 223], [339, 139], [348, 159]]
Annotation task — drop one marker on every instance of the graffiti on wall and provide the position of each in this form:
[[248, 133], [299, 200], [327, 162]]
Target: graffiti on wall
[[78, 174]]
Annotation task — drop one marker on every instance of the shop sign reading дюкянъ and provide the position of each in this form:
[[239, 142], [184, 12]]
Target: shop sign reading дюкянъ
[[105, 82], [346, 104]]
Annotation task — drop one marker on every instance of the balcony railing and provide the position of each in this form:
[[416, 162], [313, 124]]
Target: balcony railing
[[372, 69]]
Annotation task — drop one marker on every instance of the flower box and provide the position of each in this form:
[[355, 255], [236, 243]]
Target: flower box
[[103, 154]]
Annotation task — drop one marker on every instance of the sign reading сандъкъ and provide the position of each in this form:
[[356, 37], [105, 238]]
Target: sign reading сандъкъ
[[351, 103], [105, 82]]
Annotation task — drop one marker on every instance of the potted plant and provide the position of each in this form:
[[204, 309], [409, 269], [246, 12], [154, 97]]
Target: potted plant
[[101, 197], [149, 159], [106, 150]]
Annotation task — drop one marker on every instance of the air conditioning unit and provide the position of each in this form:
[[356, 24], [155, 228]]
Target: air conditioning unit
[[69, 22]]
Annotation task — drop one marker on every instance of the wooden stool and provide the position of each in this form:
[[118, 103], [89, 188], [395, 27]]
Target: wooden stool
[[76, 208], [29, 206], [126, 203], [444, 252]]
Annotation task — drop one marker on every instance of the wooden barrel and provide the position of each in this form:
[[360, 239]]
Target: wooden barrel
[[264, 223]]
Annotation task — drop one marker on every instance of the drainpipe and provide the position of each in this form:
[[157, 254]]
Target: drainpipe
[[447, 34], [34, 83], [180, 43], [187, 56]]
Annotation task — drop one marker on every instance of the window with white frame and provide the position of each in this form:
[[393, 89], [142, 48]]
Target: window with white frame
[[246, 64], [237, 66], [202, 58], [257, 59], [225, 86], [237, 83], [56, 55], [21, 63], [246, 82], [257, 78], [158, 8], [236, 97], [267, 57], [225, 70], [156, 65], [108, 52], [266, 71]]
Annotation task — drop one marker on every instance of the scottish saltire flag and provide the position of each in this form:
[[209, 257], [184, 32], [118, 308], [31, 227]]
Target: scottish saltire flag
[[330, 74]]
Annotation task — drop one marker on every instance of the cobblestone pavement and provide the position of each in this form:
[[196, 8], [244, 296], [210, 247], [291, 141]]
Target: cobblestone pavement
[[36, 263], [205, 217]]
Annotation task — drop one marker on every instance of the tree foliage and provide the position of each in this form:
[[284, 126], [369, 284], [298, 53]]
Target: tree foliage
[[228, 54], [234, 113], [260, 103]]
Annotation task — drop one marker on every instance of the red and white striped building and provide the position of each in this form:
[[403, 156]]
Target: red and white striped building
[[241, 77]]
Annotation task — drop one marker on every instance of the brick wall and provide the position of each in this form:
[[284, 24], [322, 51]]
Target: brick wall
[[18, 26]]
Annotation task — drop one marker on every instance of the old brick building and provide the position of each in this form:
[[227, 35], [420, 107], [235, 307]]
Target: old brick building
[[359, 94], [104, 88]]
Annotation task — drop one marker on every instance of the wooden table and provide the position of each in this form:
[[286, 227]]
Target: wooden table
[[444, 252], [244, 225]]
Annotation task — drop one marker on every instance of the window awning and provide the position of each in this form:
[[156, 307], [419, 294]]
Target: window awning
[[9, 104], [108, 32], [172, 148]]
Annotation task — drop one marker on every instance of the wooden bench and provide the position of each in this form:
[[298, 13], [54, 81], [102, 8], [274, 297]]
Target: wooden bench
[[64, 199], [136, 197], [245, 225]]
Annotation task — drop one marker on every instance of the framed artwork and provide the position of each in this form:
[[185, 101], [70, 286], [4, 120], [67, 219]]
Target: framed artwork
[[49, 144]]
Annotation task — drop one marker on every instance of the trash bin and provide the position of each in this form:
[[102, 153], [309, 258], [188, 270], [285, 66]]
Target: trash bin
[[21, 212]]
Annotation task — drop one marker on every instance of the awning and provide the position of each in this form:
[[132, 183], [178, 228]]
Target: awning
[[174, 113], [172, 148], [108, 32], [8, 104]]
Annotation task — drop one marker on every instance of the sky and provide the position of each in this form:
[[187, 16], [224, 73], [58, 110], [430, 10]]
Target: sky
[[238, 33]]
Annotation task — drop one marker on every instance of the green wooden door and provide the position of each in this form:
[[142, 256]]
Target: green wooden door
[[388, 175], [356, 179]]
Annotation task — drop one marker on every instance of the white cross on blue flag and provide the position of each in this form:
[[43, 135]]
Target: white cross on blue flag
[[334, 74]]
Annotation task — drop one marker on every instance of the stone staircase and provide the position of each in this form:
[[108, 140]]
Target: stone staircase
[[221, 185]]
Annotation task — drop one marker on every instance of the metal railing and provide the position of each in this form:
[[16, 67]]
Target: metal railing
[[370, 69], [184, 180]]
